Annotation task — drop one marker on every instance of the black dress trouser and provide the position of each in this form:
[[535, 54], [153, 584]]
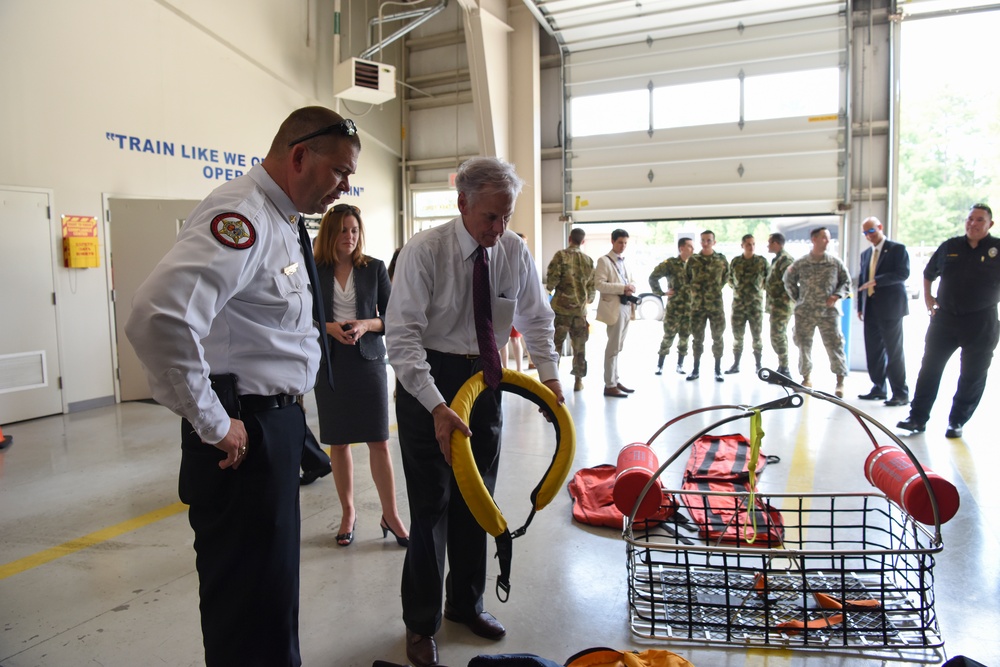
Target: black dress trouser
[[884, 353], [247, 528], [977, 335], [440, 521]]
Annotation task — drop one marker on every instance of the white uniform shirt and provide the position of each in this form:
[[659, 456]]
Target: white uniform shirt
[[431, 305], [209, 309]]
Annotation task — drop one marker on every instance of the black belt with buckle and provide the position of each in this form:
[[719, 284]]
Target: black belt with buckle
[[451, 355], [255, 403]]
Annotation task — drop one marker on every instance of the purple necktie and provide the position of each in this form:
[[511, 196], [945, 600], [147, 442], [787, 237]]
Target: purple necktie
[[482, 307]]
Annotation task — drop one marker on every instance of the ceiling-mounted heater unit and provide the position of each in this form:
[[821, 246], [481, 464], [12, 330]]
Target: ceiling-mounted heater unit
[[364, 81]]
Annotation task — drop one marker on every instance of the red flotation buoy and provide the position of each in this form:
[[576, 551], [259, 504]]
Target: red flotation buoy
[[892, 472], [636, 464]]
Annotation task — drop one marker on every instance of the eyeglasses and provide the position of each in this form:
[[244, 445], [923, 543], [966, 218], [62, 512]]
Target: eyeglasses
[[866, 232], [345, 127], [341, 208]]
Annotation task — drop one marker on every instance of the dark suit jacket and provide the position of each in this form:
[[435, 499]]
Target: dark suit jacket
[[371, 293], [893, 268]]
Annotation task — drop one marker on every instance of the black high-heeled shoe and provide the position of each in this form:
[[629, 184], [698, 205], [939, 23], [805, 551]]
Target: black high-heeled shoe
[[401, 541], [345, 539]]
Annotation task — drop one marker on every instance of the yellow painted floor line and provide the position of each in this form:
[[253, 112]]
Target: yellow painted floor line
[[80, 543], [768, 657], [801, 475], [103, 535], [964, 463], [802, 469]]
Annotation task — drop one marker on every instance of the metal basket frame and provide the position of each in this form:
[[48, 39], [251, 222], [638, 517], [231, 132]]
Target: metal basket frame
[[860, 550]]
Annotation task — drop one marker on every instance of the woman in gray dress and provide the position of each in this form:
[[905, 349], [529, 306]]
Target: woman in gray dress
[[356, 290]]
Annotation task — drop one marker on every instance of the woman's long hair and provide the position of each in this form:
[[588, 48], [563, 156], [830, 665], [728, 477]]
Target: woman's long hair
[[325, 247]]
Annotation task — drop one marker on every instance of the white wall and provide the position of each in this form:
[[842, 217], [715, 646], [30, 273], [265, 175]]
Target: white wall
[[216, 74]]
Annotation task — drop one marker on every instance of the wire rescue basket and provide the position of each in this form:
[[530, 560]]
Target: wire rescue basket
[[846, 571]]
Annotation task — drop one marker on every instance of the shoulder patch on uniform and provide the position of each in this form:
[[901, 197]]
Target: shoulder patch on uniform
[[233, 230]]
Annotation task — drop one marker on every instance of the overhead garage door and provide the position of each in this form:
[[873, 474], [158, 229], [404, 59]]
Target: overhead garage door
[[749, 121]]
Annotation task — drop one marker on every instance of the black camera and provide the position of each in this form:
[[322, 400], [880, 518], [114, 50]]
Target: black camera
[[629, 298]]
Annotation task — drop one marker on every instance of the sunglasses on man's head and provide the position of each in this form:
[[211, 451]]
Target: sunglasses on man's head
[[345, 127]]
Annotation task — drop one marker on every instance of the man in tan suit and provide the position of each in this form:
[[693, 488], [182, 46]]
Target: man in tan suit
[[614, 282]]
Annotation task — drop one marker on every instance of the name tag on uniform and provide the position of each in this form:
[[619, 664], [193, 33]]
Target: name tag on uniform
[[290, 269]]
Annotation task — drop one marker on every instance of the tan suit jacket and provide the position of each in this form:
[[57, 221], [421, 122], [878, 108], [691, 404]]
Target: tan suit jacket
[[611, 286]]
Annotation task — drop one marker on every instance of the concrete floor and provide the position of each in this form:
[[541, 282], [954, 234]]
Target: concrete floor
[[97, 567]]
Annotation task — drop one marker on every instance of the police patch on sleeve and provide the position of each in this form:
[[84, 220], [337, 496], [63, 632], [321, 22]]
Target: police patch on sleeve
[[233, 230]]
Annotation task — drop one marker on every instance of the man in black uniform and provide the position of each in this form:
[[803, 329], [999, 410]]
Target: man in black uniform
[[964, 315]]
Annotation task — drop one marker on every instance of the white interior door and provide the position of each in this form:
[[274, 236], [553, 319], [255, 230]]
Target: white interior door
[[29, 343], [142, 230]]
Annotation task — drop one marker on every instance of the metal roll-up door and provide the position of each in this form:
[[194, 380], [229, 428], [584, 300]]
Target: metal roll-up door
[[685, 153]]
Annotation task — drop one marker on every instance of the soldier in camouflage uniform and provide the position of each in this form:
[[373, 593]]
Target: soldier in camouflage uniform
[[816, 283], [779, 304], [708, 273], [677, 318], [570, 277], [747, 274]]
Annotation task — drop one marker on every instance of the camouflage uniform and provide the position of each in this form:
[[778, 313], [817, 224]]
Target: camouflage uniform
[[677, 319], [571, 276], [779, 306], [707, 275], [810, 281], [746, 277]]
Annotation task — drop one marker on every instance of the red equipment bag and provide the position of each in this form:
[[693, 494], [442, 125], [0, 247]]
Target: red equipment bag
[[592, 490], [720, 464]]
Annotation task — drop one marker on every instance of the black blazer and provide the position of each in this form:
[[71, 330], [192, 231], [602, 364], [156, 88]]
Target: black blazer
[[371, 293], [893, 268]]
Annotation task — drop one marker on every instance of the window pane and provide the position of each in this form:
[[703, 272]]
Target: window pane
[[609, 114], [808, 93], [435, 204], [701, 103]]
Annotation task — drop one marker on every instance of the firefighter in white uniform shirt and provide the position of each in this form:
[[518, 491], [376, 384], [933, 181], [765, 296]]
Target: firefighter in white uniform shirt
[[225, 329]]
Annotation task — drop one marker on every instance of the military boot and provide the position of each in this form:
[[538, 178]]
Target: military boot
[[784, 370], [718, 369], [735, 368], [680, 364], [694, 369], [756, 361], [659, 364], [839, 391]]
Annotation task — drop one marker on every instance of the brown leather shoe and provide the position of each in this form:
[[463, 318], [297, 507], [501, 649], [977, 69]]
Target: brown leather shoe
[[421, 651], [484, 625], [615, 391], [622, 387]]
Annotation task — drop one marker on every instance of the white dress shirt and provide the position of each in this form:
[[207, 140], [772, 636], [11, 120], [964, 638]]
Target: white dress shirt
[[208, 308], [431, 305]]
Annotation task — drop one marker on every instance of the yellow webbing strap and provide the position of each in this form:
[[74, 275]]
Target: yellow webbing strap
[[756, 435]]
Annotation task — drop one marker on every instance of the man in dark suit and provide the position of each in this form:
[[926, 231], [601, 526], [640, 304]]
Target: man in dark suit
[[882, 304]]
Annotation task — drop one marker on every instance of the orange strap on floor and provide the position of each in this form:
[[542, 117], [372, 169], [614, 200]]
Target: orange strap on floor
[[794, 627]]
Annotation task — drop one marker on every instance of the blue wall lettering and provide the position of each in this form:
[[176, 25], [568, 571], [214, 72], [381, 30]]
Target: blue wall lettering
[[133, 144]]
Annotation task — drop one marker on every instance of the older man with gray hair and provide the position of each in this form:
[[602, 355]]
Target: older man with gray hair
[[458, 288]]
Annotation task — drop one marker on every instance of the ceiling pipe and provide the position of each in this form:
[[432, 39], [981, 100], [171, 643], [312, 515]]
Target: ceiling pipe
[[423, 14]]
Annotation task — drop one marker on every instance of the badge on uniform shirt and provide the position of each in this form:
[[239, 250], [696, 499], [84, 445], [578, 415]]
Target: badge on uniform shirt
[[290, 269], [233, 230], [992, 252]]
